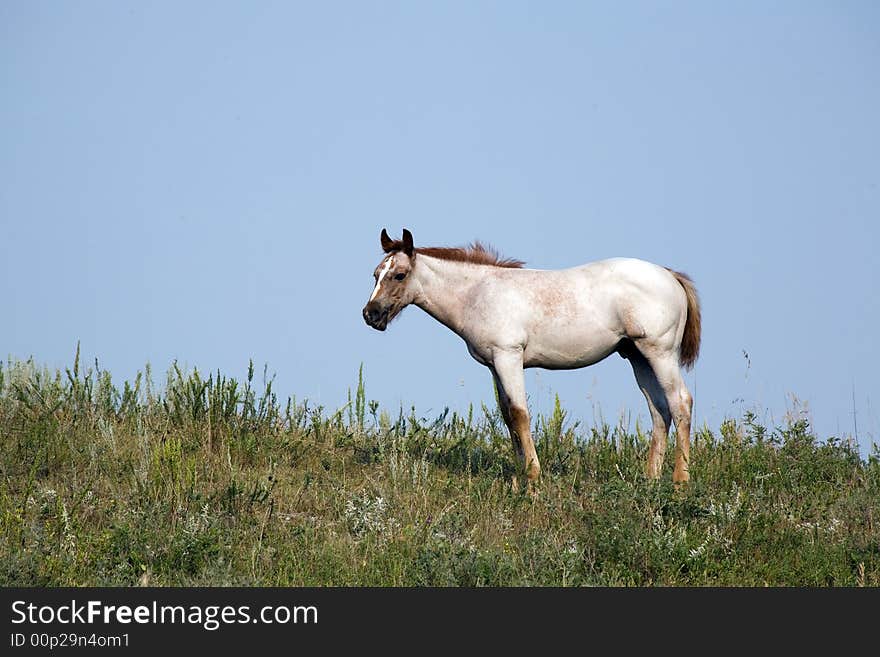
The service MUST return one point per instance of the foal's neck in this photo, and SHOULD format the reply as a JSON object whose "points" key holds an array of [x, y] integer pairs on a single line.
{"points": [[445, 286]]}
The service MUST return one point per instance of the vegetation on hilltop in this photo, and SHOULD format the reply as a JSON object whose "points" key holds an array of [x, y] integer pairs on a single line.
{"points": [[210, 481]]}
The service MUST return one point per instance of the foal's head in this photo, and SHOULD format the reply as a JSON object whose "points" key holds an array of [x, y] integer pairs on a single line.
{"points": [[392, 292]]}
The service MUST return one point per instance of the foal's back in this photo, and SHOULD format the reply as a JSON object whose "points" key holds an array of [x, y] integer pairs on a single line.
{"points": [[574, 317]]}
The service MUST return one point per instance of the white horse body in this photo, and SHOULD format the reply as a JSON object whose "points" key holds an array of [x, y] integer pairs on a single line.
{"points": [[513, 318], [560, 319]]}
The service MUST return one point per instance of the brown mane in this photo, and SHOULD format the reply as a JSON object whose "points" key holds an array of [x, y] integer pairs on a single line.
{"points": [[476, 253]]}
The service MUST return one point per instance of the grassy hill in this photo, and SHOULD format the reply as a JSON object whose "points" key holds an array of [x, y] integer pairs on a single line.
{"points": [[210, 481]]}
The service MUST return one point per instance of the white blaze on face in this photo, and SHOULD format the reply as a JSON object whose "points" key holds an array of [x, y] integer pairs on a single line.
{"points": [[382, 273]]}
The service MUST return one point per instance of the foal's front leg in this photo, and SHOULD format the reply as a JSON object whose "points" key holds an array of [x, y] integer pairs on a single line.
{"points": [[507, 368]]}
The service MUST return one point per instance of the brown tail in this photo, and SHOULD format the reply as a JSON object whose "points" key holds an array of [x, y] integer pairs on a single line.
{"points": [[690, 341]]}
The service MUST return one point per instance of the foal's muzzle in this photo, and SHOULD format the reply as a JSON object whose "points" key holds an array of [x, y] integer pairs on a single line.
{"points": [[375, 316]]}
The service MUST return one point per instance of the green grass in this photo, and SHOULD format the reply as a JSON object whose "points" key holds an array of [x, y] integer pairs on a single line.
{"points": [[208, 481]]}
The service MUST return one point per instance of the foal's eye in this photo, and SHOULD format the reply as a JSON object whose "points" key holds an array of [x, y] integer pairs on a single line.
{"points": [[399, 277]]}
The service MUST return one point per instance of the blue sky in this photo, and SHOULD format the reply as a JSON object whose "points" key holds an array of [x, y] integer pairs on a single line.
{"points": [[206, 182]]}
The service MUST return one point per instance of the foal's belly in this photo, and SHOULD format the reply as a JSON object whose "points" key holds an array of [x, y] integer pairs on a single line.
{"points": [[560, 355]]}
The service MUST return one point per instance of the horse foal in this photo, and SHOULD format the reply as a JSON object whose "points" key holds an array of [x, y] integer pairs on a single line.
{"points": [[513, 318]]}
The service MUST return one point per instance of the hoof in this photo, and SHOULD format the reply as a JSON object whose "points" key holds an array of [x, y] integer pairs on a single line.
{"points": [[532, 489], [531, 486]]}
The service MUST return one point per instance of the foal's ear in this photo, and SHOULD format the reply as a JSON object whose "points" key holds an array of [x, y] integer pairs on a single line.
{"points": [[407, 243], [387, 242]]}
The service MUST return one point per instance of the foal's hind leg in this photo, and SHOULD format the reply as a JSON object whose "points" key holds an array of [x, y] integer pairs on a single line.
{"points": [[667, 371], [661, 418]]}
